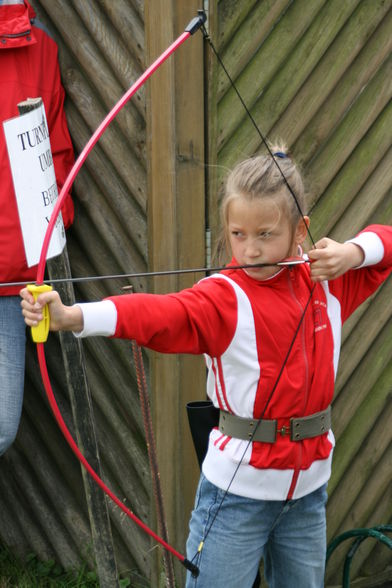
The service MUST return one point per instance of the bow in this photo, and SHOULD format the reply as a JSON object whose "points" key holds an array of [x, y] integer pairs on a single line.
{"points": [[192, 27]]}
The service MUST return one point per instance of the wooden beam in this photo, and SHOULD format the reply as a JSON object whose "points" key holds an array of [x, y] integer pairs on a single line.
{"points": [[176, 204]]}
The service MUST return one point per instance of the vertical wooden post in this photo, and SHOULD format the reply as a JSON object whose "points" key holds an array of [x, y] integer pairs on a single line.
{"points": [[82, 410], [176, 225], [211, 114], [191, 237]]}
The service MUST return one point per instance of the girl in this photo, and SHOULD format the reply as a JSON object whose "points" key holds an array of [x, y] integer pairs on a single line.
{"points": [[271, 338]]}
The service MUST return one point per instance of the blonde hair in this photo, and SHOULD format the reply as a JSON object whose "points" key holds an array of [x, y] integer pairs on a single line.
{"points": [[259, 177]]}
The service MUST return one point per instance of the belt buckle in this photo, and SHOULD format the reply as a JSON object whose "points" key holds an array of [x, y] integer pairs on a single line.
{"points": [[283, 430]]}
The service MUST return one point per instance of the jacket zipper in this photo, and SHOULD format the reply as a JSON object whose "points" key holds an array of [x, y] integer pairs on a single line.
{"points": [[17, 35], [306, 363]]}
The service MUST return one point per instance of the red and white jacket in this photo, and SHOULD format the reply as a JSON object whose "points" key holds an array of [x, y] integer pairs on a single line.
{"points": [[244, 327], [28, 69]]}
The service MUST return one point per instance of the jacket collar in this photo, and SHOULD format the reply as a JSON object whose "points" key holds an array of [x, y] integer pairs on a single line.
{"points": [[16, 24]]}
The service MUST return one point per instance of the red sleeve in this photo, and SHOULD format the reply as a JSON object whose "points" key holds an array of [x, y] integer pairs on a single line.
{"points": [[198, 320], [357, 285]]}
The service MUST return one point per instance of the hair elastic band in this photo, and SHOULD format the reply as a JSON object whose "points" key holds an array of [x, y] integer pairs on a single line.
{"points": [[280, 154]]}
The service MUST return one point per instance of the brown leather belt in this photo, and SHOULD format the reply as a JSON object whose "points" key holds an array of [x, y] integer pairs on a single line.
{"points": [[267, 430]]}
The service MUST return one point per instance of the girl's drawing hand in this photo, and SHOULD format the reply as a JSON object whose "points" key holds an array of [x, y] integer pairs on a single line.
{"points": [[66, 318], [331, 259]]}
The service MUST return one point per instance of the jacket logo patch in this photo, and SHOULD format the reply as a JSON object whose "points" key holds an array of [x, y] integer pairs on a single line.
{"points": [[319, 316]]}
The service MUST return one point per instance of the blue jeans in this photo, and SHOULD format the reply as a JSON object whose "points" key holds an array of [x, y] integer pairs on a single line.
{"points": [[12, 366], [289, 535]]}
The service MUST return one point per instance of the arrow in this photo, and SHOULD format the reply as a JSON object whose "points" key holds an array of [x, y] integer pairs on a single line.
{"points": [[289, 262]]}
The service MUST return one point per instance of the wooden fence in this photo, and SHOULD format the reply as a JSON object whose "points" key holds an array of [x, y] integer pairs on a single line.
{"points": [[318, 76], [103, 48]]}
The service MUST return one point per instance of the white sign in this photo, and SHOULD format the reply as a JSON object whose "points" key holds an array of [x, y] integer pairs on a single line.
{"points": [[32, 168]]}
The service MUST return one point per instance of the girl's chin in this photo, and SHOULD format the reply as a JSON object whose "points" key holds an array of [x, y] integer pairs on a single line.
{"points": [[262, 273]]}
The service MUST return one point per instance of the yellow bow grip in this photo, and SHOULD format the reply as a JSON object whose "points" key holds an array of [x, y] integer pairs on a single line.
{"points": [[40, 332]]}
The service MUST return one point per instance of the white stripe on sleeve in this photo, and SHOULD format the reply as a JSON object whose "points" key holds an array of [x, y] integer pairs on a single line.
{"points": [[372, 247], [99, 318]]}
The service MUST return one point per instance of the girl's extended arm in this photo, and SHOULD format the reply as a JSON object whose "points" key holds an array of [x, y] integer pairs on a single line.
{"points": [[62, 318]]}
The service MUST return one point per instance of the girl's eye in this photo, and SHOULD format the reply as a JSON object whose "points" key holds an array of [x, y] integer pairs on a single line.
{"points": [[265, 234]]}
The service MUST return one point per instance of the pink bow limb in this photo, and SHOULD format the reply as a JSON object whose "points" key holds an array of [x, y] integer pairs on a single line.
{"points": [[91, 143], [192, 27]]}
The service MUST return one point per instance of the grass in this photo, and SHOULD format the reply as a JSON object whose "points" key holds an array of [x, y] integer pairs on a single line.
{"points": [[32, 573]]}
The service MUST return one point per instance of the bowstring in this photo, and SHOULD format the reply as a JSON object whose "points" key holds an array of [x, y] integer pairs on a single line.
{"points": [[258, 422], [256, 127], [287, 184]]}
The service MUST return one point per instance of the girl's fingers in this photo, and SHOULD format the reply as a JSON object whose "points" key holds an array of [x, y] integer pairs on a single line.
{"points": [[26, 295], [32, 310], [32, 319]]}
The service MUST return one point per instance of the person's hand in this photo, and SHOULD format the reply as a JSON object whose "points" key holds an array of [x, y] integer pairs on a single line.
{"points": [[65, 318], [331, 259]]}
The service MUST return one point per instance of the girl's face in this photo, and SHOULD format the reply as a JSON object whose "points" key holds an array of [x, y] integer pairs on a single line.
{"points": [[260, 231]]}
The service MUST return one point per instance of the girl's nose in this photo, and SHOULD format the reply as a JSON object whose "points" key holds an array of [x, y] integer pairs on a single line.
{"points": [[252, 248]]}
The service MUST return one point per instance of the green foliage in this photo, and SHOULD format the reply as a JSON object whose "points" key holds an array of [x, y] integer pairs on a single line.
{"points": [[33, 573]]}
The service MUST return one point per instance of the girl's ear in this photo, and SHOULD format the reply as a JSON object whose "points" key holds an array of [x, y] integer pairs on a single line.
{"points": [[302, 230]]}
